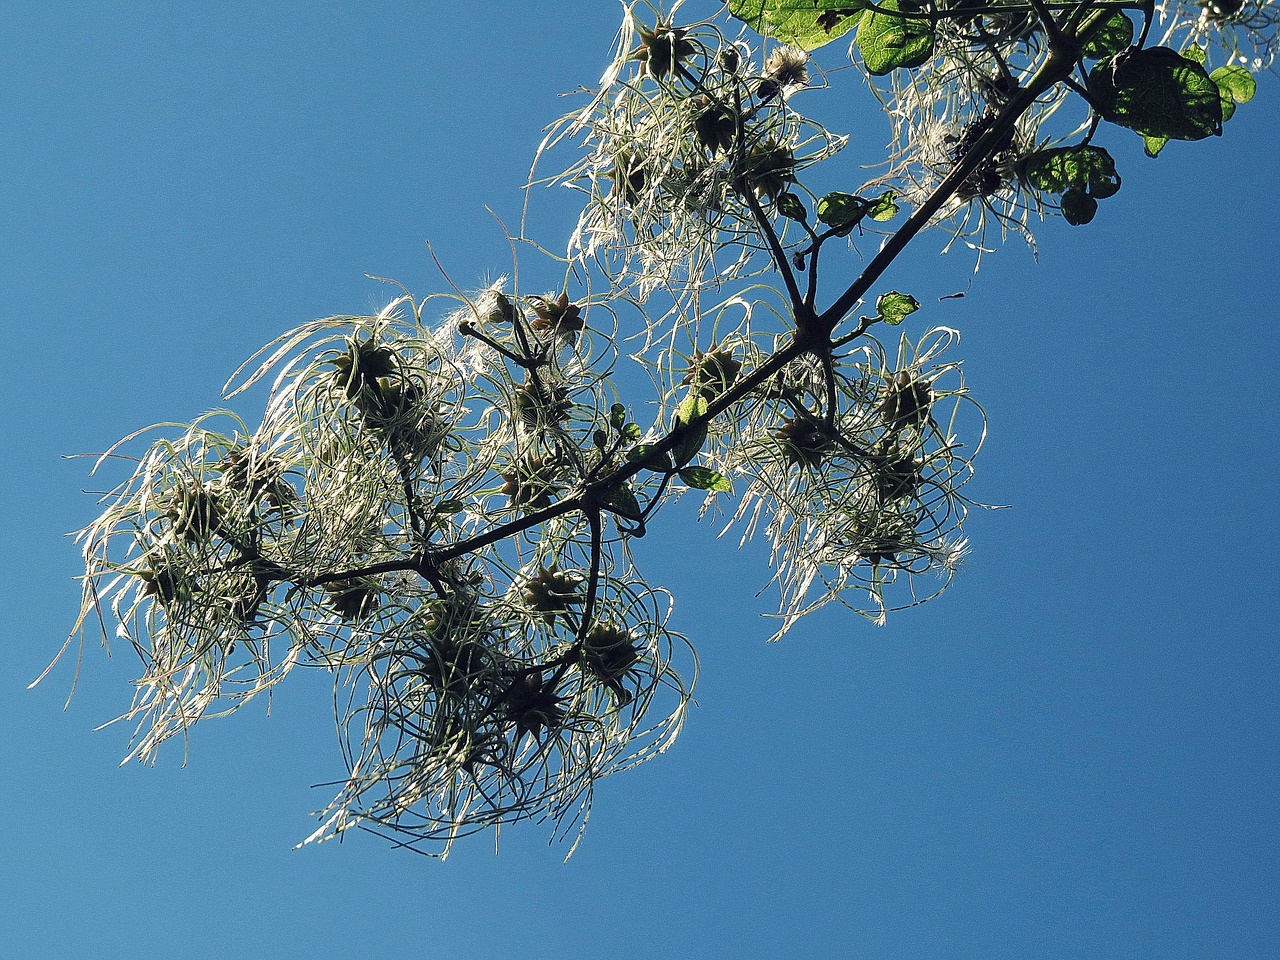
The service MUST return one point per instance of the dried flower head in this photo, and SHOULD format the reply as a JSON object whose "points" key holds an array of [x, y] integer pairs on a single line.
{"points": [[787, 68]]}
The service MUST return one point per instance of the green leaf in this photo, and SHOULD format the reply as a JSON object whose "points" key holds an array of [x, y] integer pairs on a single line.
{"points": [[1235, 85], [623, 502], [617, 416], [644, 455], [789, 206], [1228, 105], [599, 438], [888, 42], [806, 23], [704, 478], [841, 211], [1111, 38], [1061, 169], [1078, 207], [1195, 53], [883, 207], [1157, 93], [631, 431], [694, 405], [894, 307], [1152, 146], [691, 442]]}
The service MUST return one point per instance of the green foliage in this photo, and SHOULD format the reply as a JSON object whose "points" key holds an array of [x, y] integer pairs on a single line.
{"points": [[1110, 39], [622, 501], [806, 23], [791, 207], [439, 509], [1078, 207], [704, 478], [883, 207], [1060, 169], [649, 458], [1235, 85], [841, 211], [692, 436], [1157, 93], [889, 42], [844, 211], [894, 307], [1083, 175]]}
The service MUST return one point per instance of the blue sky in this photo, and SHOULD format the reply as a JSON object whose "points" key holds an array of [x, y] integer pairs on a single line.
{"points": [[1071, 754]]}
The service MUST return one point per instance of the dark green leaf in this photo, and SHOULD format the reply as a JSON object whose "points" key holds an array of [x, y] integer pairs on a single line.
{"points": [[689, 445], [631, 431], [789, 206], [1111, 38], [447, 507], [599, 438], [841, 211], [1063, 168], [644, 455], [1078, 207], [1157, 93], [894, 307], [805, 23], [888, 42], [623, 502], [703, 478], [617, 416], [691, 442], [1195, 53]]}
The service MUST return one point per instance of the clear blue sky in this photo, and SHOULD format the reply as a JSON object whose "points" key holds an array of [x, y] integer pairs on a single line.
{"points": [[1072, 754]]}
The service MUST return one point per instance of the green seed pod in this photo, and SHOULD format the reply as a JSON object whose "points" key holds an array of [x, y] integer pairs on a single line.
{"points": [[455, 666], [713, 372], [881, 550], [1222, 10], [195, 513], [556, 319], [502, 311], [767, 89], [166, 584], [351, 600], [360, 367], [662, 49], [552, 593], [540, 406], [608, 656], [803, 443], [533, 705], [897, 476], [768, 167], [905, 402], [714, 125], [256, 477], [529, 485], [629, 178]]}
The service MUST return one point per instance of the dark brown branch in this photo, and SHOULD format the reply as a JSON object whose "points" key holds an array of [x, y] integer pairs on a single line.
{"points": [[1056, 68]]}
